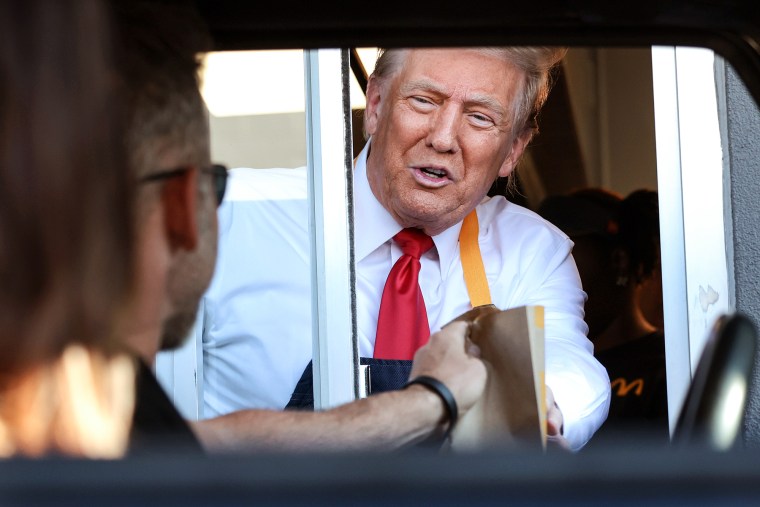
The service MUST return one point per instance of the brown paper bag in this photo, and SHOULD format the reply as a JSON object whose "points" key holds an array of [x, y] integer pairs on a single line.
{"points": [[512, 409]]}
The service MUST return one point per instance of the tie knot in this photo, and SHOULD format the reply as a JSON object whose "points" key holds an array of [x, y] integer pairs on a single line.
{"points": [[413, 242]]}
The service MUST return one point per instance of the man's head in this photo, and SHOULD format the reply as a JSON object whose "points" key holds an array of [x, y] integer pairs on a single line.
{"points": [[168, 143], [445, 123]]}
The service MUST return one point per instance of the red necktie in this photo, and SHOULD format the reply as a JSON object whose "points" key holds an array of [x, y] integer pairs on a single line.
{"points": [[402, 324]]}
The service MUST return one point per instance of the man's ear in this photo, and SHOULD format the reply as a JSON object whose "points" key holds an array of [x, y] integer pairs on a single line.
{"points": [[519, 144], [374, 98], [180, 199]]}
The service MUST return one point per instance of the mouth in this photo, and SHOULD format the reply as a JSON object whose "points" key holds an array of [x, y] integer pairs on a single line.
{"points": [[431, 175], [433, 172]]}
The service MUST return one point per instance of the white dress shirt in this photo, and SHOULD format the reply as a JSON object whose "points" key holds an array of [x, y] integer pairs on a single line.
{"points": [[257, 311]]}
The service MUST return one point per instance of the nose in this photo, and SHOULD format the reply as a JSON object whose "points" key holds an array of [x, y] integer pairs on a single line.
{"points": [[443, 133]]}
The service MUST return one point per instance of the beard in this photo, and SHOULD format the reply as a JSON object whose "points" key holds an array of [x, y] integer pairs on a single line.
{"points": [[177, 329], [187, 283], [189, 278]]}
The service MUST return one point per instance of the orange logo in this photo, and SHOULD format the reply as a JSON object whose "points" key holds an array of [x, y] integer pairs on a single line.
{"points": [[623, 387]]}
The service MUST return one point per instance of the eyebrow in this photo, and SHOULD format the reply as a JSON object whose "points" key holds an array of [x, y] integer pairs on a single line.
{"points": [[479, 99], [423, 84]]}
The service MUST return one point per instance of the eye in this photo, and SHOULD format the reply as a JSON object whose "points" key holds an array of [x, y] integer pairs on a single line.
{"points": [[481, 120], [421, 103]]}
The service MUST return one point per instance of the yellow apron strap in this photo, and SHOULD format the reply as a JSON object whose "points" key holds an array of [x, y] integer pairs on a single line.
{"points": [[472, 262]]}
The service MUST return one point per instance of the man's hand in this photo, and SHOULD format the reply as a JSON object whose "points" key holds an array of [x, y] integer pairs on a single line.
{"points": [[453, 359], [554, 421]]}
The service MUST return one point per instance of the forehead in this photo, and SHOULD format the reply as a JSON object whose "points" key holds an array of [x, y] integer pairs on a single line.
{"points": [[461, 71]]}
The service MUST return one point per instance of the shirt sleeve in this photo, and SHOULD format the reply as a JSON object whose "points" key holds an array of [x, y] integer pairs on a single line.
{"points": [[580, 384], [256, 338]]}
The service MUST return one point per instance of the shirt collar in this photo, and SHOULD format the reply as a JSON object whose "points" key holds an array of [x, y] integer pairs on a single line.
{"points": [[368, 210]]}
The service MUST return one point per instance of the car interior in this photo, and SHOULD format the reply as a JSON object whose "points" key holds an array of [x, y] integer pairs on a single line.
{"points": [[620, 101]]}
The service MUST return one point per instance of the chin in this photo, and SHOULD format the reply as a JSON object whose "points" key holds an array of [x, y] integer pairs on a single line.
{"points": [[420, 213], [176, 330]]}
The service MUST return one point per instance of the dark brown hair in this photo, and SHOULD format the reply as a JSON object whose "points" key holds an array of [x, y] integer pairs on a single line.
{"points": [[159, 65], [640, 231], [65, 194]]}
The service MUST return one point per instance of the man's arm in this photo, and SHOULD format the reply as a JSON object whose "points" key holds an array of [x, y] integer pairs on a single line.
{"points": [[579, 383], [384, 421]]}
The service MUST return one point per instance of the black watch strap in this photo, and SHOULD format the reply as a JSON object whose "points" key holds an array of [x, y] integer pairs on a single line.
{"points": [[444, 393]]}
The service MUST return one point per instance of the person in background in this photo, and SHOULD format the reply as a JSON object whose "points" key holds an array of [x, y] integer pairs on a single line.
{"points": [[632, 348], [617, 248], [65, 234]]}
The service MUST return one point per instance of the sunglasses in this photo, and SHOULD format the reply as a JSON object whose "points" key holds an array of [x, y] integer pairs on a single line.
{"points": [[218, 171]]}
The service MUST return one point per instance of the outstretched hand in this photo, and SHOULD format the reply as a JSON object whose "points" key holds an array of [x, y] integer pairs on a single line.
{"points": [[452, 358]]}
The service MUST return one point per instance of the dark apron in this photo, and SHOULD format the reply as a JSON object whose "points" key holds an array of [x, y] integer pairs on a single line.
{"points": [[384, 375]]}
